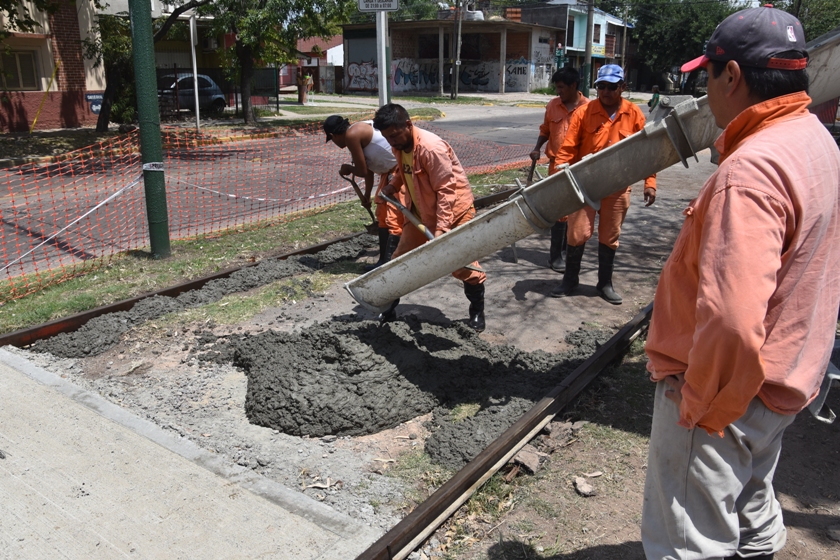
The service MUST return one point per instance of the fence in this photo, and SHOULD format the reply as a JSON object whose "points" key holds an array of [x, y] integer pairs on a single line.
{"points": [[214, 83], [68, 217]]}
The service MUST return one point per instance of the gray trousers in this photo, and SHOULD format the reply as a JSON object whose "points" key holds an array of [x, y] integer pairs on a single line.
{"points": [[708, 497]]}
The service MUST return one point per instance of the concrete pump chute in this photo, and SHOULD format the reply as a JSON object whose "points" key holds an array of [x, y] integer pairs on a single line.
{"points": [[675, 134]]}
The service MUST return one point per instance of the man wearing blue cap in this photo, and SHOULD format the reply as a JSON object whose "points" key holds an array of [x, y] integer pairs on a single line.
{"points": [[744, 317], [598, 125]]}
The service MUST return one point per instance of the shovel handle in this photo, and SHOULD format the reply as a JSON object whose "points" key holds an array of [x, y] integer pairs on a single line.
{"points": [[531, 173], [359, 193], [409, 215]]}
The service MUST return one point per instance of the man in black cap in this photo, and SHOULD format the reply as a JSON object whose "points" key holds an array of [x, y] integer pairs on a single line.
{"points": [[371, 154], [743, 320]]}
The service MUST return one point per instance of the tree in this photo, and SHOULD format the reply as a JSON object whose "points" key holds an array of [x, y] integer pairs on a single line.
{"points": [[671, 32], [17, 17], [267, 29], [817, 16], [109, 45]]}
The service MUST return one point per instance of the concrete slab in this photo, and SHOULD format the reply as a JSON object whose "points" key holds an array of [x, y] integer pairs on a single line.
{"points": [[82, 478]]}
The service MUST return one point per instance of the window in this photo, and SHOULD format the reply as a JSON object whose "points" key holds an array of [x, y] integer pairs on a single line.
{"points": [[18, 71], [596, 33]]}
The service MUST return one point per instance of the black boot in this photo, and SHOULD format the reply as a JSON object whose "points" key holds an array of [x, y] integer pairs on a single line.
{"points": [[606, 261], [393, 241], [557, 252], [475, 293], [571, 277], [383, 250], [390, 314]]}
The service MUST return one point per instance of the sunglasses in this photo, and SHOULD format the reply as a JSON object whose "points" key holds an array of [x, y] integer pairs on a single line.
{"points": [[611, 87]]}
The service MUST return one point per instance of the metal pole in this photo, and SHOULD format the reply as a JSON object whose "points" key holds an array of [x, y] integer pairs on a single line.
{"points": [[193, 42], [381, 58], [586, 75], [624, 42], [440, 60], [151, 147], [385, 39], [458, 19]]}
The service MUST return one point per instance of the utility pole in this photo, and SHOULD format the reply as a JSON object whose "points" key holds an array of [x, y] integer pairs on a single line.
{"points": [[148, 112], [381, 55], [586, 75], [624, 41], [456, 66]]}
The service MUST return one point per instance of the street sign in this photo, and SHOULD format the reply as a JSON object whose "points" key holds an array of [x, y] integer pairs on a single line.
{"points": [[379, 5], [95, 101]]}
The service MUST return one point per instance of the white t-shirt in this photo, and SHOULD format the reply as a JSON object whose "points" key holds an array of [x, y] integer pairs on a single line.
{"points": [[378, 155]]}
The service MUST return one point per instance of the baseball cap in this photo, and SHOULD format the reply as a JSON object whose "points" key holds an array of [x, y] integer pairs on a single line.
{"points": [[611, 73], [753, 37], [335, 124]]}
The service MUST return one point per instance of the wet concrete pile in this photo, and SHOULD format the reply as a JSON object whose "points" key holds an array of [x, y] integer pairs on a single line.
{"points": [[102, 333], [355, 378]]}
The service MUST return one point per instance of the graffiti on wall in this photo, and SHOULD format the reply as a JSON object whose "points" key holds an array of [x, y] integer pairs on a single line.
{"points": [[516, 74], [362, 76], [411, 75]]}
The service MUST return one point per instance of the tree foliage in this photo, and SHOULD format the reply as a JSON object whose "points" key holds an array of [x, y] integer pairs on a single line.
{"points": [[270, 29], [817, 16], [671, 32], [17, 17]]}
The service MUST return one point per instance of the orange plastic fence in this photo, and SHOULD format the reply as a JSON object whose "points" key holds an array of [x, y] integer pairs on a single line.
{"points": [[67, 217]]}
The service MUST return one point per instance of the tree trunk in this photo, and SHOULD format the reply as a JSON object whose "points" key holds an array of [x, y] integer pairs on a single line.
{"points": [[246, 74], [112, 84]]}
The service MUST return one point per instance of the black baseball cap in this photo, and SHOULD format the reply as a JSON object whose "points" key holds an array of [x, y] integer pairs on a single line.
{"points": [[335, 124], [753, 37]]}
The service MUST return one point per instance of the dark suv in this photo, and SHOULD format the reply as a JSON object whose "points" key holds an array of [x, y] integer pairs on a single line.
{"points": [[210, 95]]}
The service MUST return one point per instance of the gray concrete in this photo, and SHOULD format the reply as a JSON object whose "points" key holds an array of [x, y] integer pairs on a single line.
{"points": [[83, 478]]}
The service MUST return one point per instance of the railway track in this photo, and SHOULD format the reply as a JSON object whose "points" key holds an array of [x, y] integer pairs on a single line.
{"points": [[417, 526]]}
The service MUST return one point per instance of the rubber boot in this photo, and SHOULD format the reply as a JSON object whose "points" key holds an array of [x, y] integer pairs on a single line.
{"points": [[383, 250], [557, 252], [606, 260], [390, 314], [571, 277], [475, 293], [393, 241]]}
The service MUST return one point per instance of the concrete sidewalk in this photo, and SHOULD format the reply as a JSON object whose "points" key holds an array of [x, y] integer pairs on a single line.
{"points": [[82, 478]]}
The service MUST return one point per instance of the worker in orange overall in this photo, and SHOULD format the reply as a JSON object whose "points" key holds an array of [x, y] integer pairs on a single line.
{"points": [[371, 154], [745, 311], [553, 130], [598, 125], [435, 184]]}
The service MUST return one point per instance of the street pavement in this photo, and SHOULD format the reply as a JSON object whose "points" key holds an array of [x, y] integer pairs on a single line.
{"points": [[82, 478]]}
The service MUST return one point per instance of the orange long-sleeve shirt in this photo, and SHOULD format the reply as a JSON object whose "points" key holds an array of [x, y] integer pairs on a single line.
{"points": [[591, 130], [747, 302], [556, 123], [442, 192]]}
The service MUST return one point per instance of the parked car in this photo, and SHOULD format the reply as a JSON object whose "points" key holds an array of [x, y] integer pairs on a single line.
{"points": [[210, 95]]}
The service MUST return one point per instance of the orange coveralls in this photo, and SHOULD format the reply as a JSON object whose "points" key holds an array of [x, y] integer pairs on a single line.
{"points": [[442, 198], [555, 125], [747, 302], [590, 131]]}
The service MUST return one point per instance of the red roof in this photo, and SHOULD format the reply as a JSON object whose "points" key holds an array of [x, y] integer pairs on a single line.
{"points": [[306, 45]]}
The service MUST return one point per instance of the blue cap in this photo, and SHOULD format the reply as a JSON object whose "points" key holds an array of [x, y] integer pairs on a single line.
{"points": [[611, 73]]}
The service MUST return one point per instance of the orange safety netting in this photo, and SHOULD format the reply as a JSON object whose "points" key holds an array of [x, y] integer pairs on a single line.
{"points": [[67, 217]]}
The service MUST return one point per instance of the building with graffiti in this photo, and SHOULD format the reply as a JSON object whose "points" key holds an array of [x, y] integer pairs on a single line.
{"points": [[497, 56], [517, 51]]}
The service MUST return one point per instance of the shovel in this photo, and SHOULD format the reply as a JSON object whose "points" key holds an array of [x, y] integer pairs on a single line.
{"points": [[416, 221], [373, 227], [409, 215]]}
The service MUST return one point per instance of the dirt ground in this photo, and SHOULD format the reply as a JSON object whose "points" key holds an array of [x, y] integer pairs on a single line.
{"points": [[154, 368]]}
